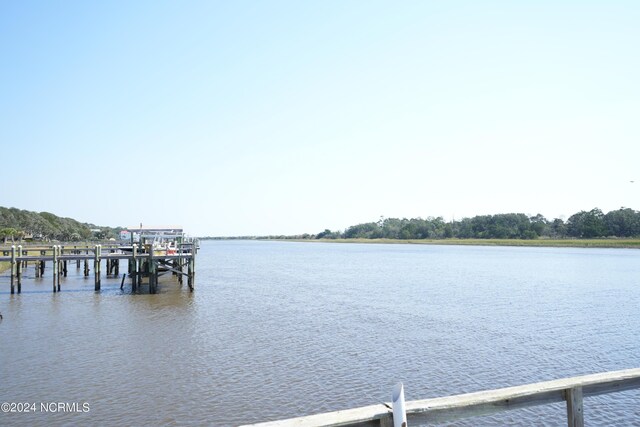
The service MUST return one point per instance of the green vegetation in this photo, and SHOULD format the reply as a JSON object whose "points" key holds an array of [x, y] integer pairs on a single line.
{"points": [[593, 224], [592, 228], [17, 225], [574, 243]]}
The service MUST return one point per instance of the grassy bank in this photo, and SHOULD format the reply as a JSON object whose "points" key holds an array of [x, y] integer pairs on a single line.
{"points": [[565, 243], [4, 266]]}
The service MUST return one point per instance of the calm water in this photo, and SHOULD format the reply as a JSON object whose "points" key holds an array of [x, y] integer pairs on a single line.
{"points": [[276, 330]]}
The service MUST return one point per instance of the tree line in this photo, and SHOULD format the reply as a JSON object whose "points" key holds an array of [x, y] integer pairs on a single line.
{"points": [[17, 224], [623, 222]]}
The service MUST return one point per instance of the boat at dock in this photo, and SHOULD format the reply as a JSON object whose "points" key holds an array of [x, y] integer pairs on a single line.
{"points": [[161, 241]]}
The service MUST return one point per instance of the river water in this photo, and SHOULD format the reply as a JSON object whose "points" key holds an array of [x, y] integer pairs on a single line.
{"points": [[282, 329]]}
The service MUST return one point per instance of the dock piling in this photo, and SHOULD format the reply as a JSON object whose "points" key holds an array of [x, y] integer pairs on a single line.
{"points": [[56, 277], [13, 269], [153, 272], [96, 267], [190, 273], [134, 267], [19, 270]]}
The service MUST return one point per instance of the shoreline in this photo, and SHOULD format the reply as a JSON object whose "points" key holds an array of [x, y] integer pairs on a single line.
{"points": [[551, 243]]}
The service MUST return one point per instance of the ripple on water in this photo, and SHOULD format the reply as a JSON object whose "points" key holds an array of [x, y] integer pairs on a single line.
{"points": [[298, 329]]}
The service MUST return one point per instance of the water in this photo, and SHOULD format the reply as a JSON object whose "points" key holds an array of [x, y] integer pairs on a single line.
{"points": [[276, 330]]}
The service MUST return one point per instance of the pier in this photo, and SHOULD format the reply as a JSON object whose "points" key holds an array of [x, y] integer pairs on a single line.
{"points": [[450, 408], [157, 251]]}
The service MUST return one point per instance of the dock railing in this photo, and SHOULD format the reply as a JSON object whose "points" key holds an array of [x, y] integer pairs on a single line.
{"points": [[444, 409]]}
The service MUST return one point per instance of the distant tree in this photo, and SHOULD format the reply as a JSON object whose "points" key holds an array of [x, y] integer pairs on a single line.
{"points": [[464, 229], [328, 234], [438, 228], [46, 225], [8, 233], [369, 230], [100, 235], [584, 224], [448, 231], [539, 225], [391, 228], [587, 224], [558, 228], [624, 222]]}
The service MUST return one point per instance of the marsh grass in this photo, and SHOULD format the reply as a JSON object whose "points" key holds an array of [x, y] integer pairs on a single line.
{"points": [[568, 243]]}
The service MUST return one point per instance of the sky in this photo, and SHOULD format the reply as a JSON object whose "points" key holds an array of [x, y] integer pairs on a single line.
{"points": [[285, 117]]}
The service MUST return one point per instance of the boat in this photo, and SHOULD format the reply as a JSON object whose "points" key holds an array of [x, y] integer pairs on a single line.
{"points": [[163, 241]]}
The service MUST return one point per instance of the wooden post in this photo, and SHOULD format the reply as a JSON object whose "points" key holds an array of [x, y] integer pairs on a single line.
{"points": [[56, 278], [18, 267], [155, 277], [25, 262], [96, 267], [141, 266], [60, 253], [43, 265], [86, 268], [13, 269], [191, 270], [386, 421], [64, 268], [152, 272], [575, 415], [180, 262], [134, 268], [19, 276]]}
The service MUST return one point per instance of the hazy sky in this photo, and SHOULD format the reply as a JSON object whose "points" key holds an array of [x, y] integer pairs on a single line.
{"points": [[285, 117]]}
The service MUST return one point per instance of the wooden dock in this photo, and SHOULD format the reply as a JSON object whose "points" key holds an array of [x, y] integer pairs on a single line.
{"points": [[143, 262], [446, 409]]}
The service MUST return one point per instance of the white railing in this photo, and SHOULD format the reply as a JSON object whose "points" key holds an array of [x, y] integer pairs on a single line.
{"points": [[443, 409]]}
